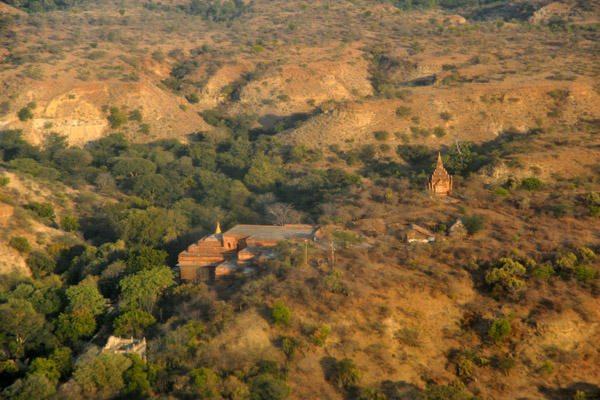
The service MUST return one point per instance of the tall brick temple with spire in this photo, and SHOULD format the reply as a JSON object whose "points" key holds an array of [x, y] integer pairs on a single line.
{"points": [[441, 181]]}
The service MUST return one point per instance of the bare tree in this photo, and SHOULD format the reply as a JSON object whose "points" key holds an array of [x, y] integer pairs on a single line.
{"points": [[282, 213]]}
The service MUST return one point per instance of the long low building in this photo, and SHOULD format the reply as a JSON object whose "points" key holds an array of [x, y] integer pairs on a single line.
{"points": [[225, 254]]}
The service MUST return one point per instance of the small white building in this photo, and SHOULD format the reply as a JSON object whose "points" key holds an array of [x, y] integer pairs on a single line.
{"points": [[417, 234]]}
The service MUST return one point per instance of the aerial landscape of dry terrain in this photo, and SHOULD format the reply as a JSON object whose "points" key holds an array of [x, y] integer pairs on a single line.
{"points": [[281, 199]]}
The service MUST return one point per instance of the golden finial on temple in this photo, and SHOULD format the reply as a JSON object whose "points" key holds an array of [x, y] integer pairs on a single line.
{"points": [[218, 230]]}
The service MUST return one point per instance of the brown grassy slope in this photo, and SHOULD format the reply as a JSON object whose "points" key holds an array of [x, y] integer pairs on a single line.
{"points": [[323, 57]]}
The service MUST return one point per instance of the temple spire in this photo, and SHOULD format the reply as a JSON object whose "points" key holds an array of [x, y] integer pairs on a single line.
{"points": [[439, 161], [218, 230]]}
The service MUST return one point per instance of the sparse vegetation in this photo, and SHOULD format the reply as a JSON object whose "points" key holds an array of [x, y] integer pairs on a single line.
{"points": [[282, 113]]}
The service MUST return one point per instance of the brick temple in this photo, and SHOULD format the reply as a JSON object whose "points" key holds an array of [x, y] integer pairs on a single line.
{"points": [[441, 181], [237, 250]]}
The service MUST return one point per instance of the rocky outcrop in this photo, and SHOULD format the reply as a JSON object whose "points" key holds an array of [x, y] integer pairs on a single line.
{"points": [[545, 14]]}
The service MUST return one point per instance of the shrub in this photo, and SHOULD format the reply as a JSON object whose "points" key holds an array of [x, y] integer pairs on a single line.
{"points": [[453, 391], [559, 210], [347, 373], [544, 272], [584, 273], [504, 276], [20, 243], [381, 135], [4, 180], [193, 98], [280, 314], [465, 368], [548, 367], [205, 382], [69, 223], [446, 116], [500, 191], [39, 263], [367, 153], [473, 223], [268, 367], [117, 117], [145, 129], [567, 261], [265, 387], [25, 114], [158, 55], [372, 394], [585, 253], [532, 184], [438, 131], [408, 336], [42, 210], [403, 112], [320, 335], [500, 329], [506, 364], [135, 115], [346, 238], [288, 345], [591, 199]]}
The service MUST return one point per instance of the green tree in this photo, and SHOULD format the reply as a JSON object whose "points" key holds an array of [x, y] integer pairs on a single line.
{"points": [[85, 296], [13, 145], [25, 113], [102, 376], [34, 386], [117, 117], [372, 394], [132, 323], [532, 184], [141, 290], [136, 377], [45, 367], [205, 382], [20, 324], [264, 174], [347, 373], [20, 243], [42, 210], [40, 263], [133, 167], [144, 258], [500, 329], [72, 160], [453, 391], [265, 387], [462, 159], [78, 325], [147, 227], [505, 276], [280, 314], [152, 187], [473, 223], [54, 142], [64, 360], [69, 223]]}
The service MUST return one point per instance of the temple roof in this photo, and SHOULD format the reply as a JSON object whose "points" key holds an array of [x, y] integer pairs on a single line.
{"points": [[271, 232]]}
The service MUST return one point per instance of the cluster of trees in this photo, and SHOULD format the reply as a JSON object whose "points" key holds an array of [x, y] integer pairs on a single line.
{"points": [[166, 190], [447, 4], [33, 6], [215, 10]]}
